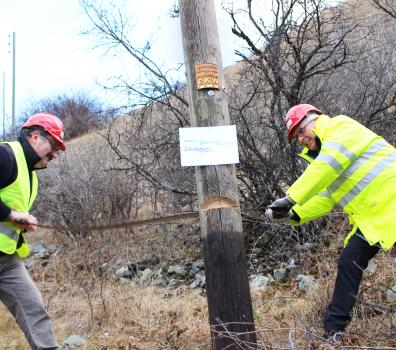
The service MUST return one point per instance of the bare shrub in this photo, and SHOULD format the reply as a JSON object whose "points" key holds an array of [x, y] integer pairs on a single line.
{"points": [[80, 112], [79, 189]]}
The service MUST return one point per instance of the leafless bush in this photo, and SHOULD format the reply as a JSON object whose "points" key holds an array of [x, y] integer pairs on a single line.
{"points": [[388, 6], [147, 145], [79, 189], [80, 112]]}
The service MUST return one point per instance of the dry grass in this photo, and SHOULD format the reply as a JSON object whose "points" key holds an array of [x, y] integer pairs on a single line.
{"points": [[287, 319], [120, 314]]}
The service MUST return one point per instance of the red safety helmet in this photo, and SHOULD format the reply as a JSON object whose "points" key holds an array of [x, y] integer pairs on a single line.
{"points": [[51, 124], [295, 115]]}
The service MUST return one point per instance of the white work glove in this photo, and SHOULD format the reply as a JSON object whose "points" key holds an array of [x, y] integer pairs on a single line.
{"points": [[274, 216], [280, 209], [24, 221]]}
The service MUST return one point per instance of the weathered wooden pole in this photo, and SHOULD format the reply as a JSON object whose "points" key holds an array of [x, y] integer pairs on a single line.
{"points": [[13, 125], [227, 284]]}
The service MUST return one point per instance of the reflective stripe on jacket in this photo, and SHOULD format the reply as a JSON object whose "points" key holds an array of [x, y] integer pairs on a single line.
{"points": [[19, 196], [355, 169]]}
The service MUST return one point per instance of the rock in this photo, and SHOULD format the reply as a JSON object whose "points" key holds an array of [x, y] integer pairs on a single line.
{"points": [[259, 269], [32, 261], [305, 283], [164, 267], [258, 281], [173, 282], [124, 272], [40, 250], [197, 265], [145, 276], [36, 248], [391, 294], [270, 278], [199, 281], [291, 262], [291, 267], [73, 342], [28, 262], [372, 267], [177, 270], [157, 273], [279, 274], [53, 248]]}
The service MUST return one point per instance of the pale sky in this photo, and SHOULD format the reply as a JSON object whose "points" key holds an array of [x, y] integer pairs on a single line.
{"points": [[52, 57]]}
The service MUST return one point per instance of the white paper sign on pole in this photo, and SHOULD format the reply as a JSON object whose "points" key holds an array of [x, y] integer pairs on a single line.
{"points": [[213, 145]]}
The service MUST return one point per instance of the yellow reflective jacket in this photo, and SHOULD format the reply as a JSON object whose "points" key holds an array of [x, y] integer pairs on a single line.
{"points": [[19, 196], [355, 169]]}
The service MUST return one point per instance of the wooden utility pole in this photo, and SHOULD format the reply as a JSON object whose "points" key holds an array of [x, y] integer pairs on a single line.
{"points": [[13, 125], [3, 110], [227, 284]]}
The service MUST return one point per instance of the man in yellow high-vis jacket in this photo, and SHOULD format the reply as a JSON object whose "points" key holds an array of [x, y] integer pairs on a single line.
{"points": [[354, 168], [40, 140]]}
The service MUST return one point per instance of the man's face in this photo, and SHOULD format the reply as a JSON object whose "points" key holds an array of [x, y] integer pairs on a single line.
{"points": [[46, 147], [305, 136]]}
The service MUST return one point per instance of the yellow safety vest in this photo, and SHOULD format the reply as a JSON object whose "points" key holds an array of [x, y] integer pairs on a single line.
{"points": [[19, 196], [355, 169]]}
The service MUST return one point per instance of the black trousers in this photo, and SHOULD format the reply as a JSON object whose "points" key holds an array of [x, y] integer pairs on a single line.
{"points": [[353, 260]]}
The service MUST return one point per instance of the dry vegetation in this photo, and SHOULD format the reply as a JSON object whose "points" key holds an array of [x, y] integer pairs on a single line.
{"points": [[122, 314]]}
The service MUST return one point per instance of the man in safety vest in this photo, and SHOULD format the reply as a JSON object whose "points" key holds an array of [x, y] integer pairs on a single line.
{"points": [[40, 140], [354, 168]]}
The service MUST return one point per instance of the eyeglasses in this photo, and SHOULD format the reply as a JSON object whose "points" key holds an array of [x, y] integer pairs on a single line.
{"points": [[299, 132], [55, 147]]}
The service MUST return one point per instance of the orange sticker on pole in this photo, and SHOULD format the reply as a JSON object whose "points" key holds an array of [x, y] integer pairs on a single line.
{"points": [[207, 76]]}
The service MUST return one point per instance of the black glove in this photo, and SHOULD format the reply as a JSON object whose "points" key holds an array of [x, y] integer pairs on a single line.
{"points": [[282, 206]]}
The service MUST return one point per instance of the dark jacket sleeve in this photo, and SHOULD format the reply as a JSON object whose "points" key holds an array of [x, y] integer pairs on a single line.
{"points": [[7, 175]]}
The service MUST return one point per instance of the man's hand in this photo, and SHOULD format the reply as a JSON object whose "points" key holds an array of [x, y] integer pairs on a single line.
{"points": [[282, 206], [280, 209], [24, 221], [274, 216]]}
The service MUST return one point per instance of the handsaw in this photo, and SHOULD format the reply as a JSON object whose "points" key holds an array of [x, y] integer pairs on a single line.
{"points": [[135, 223]]}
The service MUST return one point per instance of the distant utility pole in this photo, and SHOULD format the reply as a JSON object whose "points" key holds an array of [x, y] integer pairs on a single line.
{"points": [[13, 128], [227, 284], [4, 106]]}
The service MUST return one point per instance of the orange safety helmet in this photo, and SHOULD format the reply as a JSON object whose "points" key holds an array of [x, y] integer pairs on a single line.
{"points": [[51, 124], [295, 115]]}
